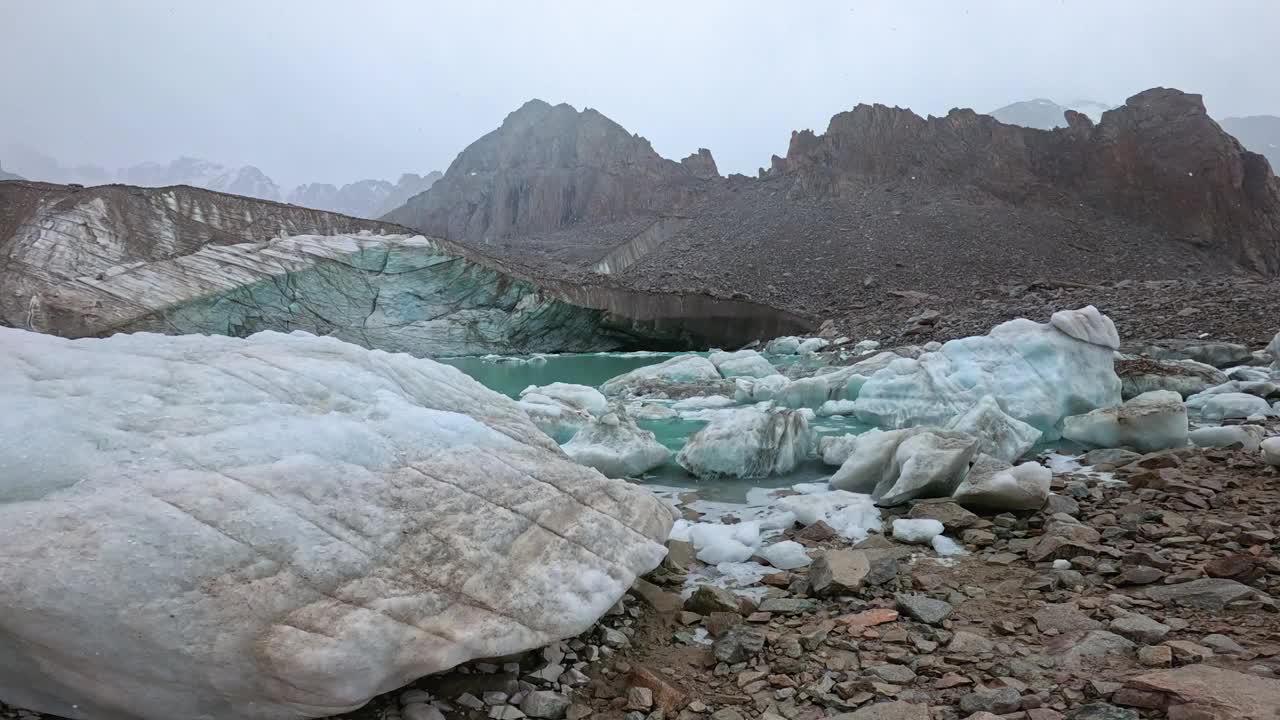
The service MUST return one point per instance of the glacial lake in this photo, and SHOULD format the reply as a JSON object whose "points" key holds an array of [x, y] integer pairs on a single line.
{"points": [[511, 374]]}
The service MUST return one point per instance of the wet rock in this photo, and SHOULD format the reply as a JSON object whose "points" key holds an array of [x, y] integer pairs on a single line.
{"points": [[839, 572], [923, 608]]}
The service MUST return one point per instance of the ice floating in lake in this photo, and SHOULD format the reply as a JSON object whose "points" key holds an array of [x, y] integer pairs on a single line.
{"points": [[834, 450], [787, 345], [683, 369], [999, 434], [812, 345], [1039, 373], [615, 446], [703, 403], [580, 397], [1152, 421], [743, 363], [749, 443], [1214, 407], [900, 465], [752, 390], [835, 407]]}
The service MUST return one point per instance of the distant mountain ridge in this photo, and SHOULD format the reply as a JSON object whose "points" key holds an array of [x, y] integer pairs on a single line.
{"points": [[366, 198], [1259, 133], [8, 175], [1044, 114]]}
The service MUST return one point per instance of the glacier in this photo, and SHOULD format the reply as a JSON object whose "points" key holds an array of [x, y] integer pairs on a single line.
{"points": [[282, 526]]}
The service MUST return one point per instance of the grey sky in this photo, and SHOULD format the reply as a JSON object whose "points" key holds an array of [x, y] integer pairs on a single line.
{"points": [[330, 91]]}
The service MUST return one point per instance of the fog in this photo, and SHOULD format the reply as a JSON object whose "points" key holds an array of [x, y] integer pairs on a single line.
{"points": [[333, 91]]}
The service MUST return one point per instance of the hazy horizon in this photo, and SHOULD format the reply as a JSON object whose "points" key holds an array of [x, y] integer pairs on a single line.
{"points": [[333, 92]]}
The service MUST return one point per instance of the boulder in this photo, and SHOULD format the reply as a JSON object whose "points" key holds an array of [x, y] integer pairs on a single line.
{"points": [[1215, 354], [838, 572], [679, 370], [994, 485], [749, 443], [900, 465], [1213, 594], [1215, 693], [617, 447], [1038, 373], [281, 526], [1155, 420]]}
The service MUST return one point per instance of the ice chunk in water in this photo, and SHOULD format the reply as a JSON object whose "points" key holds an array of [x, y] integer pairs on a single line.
{"points": [[900, 465], [617, 447], [1152, 421], [743, 363], [999, 434], [749, 443]]}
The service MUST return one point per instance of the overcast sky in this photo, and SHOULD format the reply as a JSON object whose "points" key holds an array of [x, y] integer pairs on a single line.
{"points": [[334, 91]]}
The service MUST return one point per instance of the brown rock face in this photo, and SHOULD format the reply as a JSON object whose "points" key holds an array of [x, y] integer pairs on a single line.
{"points": [[550, 167], [1158, 159]]}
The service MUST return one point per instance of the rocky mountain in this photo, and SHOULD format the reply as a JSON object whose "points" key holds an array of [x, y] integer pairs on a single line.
{"points": [[550, 167], [8, 175], [883, 201], [1259, 133], [33, 164], [366, 198], [248, 180], [1045, 114]]}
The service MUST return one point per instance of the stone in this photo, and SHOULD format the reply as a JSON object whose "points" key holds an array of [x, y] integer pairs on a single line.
{"points": [[1212, 594], [838, 572], [1222, 644], [1063, 618], [953, 517], [1095, 646], [1140, 628], [896, 674], [655, 597], [1186, 652], [665, 695], [1139, 575], [544, 704], [420, 711], [639, 698], [967, 643], [1155, 656], [1226, 694], [1103, 711], [708, 599], [267, 492], [868, 618], [787, 606], [998, 701], [1233, 567], [739, 644], [923, 608], [897, 710]]}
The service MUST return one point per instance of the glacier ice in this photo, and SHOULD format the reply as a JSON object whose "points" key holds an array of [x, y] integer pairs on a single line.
{"points": [[834, 450], [1271, 451], [946, 547], [1249, 437], [617, 447], [811, 345], [187, 511], [753, 390], [580, 397], [1211, 406], [562, 409], [749, 443], [1039, 373], [998, 434], [1155, 420], [835, 407], [703, 402], [716, 543], [899, 465], [992, 484], [743, 363], [787, 345], [682, 369], [851, 515], [916, 532], [785, 555]]}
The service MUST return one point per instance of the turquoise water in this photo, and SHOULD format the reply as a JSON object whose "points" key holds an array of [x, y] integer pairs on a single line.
{"points": [[509, 375]]}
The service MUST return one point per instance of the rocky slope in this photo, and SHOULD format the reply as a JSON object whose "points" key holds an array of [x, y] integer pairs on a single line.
{"points": [[1259, 133], [884, 201], [1044, 114]]}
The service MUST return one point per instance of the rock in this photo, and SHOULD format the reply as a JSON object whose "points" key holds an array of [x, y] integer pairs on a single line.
{"points": [[900, 465], [998, 701], [420, 711], [544, 704], [1095, 646], [868, 618], [1109, 456], [1235, 567], [1222, 644], [923, 608], [660, 600], [639, 698], [679, 370], [1061, 504], [1185, 651], [1140, 628], [1063, 618], [1103, 711], [967, 643], [916, 532], [1037, 373], [617, 447], [749, 443], [308, 480], [787, 606], [1215, 354], [992, 485], [838, 572], [898, 710], [999, 435], [739, 644], [1185, 377], [950, 514], [1152, 421], [666, 696], [1155, 656], [1212, 594], [709, 599], [1139, 575], [1222, 694], [897, 674]]}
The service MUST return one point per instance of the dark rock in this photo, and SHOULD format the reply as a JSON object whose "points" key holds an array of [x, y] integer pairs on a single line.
{"points": [[1212, 594], [998, 701], [707, 599], [739, 644], [1103, 711], [923, 608]]}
